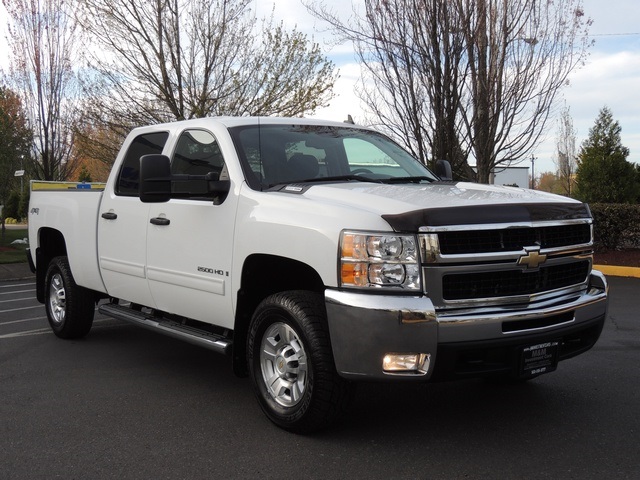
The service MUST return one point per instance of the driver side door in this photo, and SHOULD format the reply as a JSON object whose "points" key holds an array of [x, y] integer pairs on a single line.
{"points": [[189, 245]]}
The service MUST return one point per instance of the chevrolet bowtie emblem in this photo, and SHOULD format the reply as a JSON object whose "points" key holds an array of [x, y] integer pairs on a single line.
{"points": [[532, 259]]}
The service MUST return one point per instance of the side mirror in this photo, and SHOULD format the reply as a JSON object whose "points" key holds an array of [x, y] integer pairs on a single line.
{"points": [[155, 178], [443, 170], [158, 184]]}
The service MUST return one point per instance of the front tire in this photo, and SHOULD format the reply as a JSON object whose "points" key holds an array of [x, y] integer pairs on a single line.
{"points": [[291, 363], [70, 308]]}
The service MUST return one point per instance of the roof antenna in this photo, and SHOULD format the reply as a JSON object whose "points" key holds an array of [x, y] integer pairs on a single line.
{"points": [[260, 153], [349, 120]]}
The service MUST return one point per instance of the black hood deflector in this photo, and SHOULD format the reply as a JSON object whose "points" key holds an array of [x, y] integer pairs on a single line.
{"points": [[487, 214]]}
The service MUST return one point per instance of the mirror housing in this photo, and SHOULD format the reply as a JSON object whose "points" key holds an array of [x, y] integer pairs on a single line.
{"points": [[157, 182], [155, 178], [443, 170]]}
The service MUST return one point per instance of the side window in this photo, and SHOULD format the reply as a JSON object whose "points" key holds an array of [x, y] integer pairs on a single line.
{"points": [[129, 176], [197, 153]]}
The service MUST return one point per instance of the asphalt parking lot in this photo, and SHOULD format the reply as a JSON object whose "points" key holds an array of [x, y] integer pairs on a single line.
{"points": [[128, 403]]}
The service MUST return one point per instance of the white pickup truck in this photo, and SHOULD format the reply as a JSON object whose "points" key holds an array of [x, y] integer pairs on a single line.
{"points": [[317, 254]]}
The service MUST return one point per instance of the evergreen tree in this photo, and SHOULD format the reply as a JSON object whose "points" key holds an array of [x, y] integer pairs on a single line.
{"points": [[15, 139], [604, 175], [84, 175], [12, 206]]}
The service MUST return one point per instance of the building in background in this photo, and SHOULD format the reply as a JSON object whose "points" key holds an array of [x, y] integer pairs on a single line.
{"points": [[511, 177]]}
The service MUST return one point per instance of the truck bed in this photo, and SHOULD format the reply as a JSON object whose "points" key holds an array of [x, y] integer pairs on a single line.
{"points": [[73, 208]]}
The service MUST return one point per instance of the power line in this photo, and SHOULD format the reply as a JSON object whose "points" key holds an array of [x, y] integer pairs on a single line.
{"points": [[613, 34]]}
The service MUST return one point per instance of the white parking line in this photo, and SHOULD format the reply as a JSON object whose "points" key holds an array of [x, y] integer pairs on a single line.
{"points": [[42, 331], [18, 299], [19, 309], [33, 319], [17, 291], [23, 320], [18, 285]]}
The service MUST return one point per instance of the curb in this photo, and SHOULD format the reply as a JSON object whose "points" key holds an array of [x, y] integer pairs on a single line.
{"points": [[11, 272], [616, 271]]}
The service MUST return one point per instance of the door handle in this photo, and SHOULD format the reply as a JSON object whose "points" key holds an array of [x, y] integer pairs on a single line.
{"points": [[160, 221], [109, 215]]}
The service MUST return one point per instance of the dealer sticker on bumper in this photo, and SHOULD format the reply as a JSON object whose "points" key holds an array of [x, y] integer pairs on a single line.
{"points": [[539, 359]]}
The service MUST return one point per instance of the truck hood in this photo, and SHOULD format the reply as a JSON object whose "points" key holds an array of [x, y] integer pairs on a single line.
{"points": [[409, 206]]}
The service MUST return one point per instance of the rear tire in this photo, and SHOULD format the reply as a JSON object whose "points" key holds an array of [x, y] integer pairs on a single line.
{"points": [[291, 363], [70, 308]]}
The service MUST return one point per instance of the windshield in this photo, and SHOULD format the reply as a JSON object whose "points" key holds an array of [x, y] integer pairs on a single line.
{"points": [[282, 154]]}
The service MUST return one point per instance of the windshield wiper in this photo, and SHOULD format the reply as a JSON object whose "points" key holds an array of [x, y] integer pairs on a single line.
{"points": [[337, 178], [408, 180]]}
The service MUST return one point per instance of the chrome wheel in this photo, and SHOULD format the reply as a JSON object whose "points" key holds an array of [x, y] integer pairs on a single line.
{"points": [[70, 308], [283, 362], [57, 299], [291, 363]]}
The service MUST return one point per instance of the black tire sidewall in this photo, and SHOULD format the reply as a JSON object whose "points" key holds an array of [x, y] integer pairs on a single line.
{"points": [[54, 268], [79, 302], [268, 313]]}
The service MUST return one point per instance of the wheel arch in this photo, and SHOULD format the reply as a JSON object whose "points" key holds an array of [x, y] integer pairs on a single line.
{"points": [[51, 243], [264, 275]]}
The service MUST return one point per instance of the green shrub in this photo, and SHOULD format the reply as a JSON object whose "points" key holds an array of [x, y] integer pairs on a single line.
{"points": [[12, 207], [616, 225]]}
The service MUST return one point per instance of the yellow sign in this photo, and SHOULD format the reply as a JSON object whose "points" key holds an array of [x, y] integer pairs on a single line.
{"points": [[43, 185]]}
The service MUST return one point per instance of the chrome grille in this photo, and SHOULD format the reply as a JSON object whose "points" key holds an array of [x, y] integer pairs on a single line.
{"points": [[510, 239], [513, 282], [468, 266]]}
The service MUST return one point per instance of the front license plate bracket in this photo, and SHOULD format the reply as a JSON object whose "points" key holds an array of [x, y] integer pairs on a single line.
{"points": [[539, 358]]}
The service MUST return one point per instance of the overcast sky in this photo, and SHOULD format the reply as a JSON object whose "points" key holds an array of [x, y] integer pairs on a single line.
{"points": [[611, 76]]}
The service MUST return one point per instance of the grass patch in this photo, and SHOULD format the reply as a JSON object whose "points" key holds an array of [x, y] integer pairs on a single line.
{"points": [[13, 253]]}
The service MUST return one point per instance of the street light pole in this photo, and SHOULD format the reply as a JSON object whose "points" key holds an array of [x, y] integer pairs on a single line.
{"points": [[533, 172], [20, 173]]}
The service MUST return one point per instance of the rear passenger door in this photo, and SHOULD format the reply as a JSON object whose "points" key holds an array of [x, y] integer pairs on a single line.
{"points": [[122, 226], [190, 240]]}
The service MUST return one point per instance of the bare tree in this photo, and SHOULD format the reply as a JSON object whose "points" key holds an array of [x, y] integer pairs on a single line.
{"points": [[413, 68], [486, 72], [42, 38], [165, 60], [566, 156]]}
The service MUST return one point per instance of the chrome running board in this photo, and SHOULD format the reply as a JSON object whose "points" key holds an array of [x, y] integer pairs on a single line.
{"points": [[196, 336]]}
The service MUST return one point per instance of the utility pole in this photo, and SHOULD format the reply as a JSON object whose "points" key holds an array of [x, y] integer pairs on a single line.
{"points": [[533, 172]]}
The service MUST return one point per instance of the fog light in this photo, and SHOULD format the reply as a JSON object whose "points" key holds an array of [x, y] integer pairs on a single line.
{"points": [[402, 363]]}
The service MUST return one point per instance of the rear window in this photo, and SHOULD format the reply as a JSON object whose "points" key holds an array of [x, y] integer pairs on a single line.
{"points": [[129, 176]]}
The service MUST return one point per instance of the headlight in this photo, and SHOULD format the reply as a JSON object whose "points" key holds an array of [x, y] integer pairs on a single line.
{"points": [[379, 261]]}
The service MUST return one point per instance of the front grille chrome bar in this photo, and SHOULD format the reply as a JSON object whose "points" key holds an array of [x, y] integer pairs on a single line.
{"points": [[507, 266]]}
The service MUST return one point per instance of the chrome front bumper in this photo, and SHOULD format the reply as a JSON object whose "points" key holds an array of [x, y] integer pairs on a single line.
{"points": [[366, 327]]}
